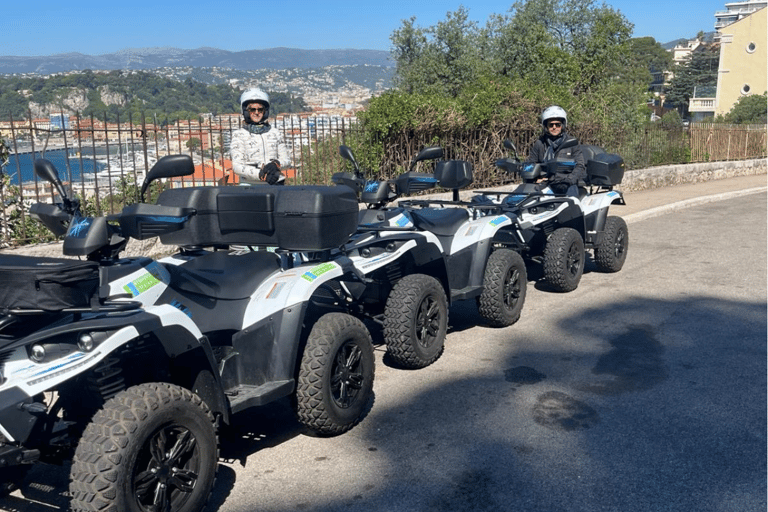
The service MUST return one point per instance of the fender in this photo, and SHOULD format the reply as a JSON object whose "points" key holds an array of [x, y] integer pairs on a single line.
{"points": [[535, 213], [477, 230], [265, 357], [466, 270], [596, 212], [111, 333], [144, 285], [25, 378], [290, 288], [603, 200], [424, 247]]}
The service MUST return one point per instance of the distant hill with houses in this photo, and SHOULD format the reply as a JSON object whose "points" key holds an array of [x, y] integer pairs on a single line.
{"points": [[152, 58]]}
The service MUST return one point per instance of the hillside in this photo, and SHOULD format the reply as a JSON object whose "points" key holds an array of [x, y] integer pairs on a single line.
{"points": [[708, 37], [152, 58]]}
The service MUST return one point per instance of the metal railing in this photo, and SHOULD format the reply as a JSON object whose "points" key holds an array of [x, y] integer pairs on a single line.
{"points": [[105, 163]]}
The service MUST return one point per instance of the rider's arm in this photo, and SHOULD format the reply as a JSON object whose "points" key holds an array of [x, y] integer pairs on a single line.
{"points": [[240, 160], [536, 154], [283, 155], [580, 170]]}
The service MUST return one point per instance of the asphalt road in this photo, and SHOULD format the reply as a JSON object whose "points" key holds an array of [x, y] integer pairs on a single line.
{"points": [[643, 390]]}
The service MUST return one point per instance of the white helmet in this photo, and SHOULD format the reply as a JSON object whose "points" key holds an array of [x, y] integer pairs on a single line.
{"points": [[554, 112], [254, 95]]}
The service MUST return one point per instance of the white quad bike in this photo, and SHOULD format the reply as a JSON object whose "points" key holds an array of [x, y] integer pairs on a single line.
{"points": [[451, 254], [129, 365], [557, 230]]}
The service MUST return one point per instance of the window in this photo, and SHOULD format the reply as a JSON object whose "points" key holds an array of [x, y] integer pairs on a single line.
{"points": [[745, 89], [751, 48]]}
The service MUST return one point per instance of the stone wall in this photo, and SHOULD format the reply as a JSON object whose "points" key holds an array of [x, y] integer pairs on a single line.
{"points": [[669, 175]]}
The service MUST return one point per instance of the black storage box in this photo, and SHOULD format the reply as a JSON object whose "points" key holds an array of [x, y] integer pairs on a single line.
{"points": [[308, 218], [50, 284], [605, 169]]}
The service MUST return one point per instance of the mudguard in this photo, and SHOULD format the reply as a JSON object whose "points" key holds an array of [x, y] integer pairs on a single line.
{"points": [[594, 202], [25, 378], [596, 211], [424, 247]]}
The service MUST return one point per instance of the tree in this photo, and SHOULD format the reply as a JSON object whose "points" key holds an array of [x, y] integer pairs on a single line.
{"points": [[12, 104], [439, 59], [574, 53], [193, 143], [700, 71], [649, 55], [749, 109]]}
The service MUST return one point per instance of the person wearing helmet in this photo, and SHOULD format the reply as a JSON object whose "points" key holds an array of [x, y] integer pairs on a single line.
{"points": [[555, 144], [257, 150]]}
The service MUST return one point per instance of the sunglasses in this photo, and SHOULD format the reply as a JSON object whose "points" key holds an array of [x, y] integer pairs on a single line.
{"points": [[554, 125], [254, 109]]}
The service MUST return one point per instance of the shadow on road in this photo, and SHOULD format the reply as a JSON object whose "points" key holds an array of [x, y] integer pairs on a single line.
{"points": [[668, 413]]}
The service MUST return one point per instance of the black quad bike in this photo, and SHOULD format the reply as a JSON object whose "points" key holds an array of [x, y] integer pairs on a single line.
{"points": [[129, 365]]}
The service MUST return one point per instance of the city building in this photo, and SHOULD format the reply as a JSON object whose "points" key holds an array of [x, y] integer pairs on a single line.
{"points": [[59, 121], [682, 51], [736, 11], [743, 58]]}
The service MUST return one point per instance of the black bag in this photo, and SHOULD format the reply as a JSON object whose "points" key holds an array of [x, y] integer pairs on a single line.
{"points": [[50, 284]]}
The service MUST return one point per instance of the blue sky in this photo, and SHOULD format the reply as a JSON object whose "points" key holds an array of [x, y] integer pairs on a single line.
{"points": [[46, 27]]}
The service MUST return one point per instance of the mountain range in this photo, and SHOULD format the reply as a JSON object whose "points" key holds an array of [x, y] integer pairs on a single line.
{"points": [[152, 58]]}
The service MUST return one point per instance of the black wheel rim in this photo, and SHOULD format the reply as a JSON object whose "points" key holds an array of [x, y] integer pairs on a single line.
{"points": [[428, 321], [511, 291], [167, 469], [573, 262], [347, 374]]}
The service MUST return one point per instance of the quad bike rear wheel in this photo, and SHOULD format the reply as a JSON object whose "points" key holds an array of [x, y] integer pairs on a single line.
{"points": [[564, 258], [611, 254], [504, 287], [335, 382], [416, 321]]}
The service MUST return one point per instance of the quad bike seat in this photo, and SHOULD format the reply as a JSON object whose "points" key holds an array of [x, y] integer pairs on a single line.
{"points": [[224, 275], [440, 221]]}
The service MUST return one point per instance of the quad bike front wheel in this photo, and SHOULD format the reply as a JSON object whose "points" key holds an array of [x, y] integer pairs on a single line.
{"points": [[416, 321], [564, 258], [504, 287], [335, 382], [611, 254], [151, 447]]}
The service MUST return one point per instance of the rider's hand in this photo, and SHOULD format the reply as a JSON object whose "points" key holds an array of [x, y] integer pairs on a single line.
{"points": [[271, 172]]}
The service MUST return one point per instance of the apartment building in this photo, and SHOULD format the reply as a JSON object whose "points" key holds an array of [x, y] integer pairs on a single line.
{"points": [[736, 11], [742, 35], [743, 57]]}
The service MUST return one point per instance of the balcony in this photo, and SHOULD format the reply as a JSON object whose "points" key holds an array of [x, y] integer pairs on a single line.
{"points": [[701, 105]]}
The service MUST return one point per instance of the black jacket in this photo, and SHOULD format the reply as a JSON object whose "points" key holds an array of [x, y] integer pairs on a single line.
{"points": [[545, 149]]}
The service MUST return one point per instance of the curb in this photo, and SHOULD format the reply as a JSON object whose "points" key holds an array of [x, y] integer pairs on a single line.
{"points": [[680, 205]]}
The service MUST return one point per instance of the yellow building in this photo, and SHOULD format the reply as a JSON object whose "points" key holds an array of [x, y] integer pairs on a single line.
{"points": [[743, 60]]}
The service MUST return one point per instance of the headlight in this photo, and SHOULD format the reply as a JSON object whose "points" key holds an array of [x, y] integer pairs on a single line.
{"points": [[58, 347], [86, 343], [37, 353]]}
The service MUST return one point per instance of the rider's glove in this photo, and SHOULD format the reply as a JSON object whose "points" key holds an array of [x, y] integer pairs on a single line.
{"points": [[271, 172]]}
